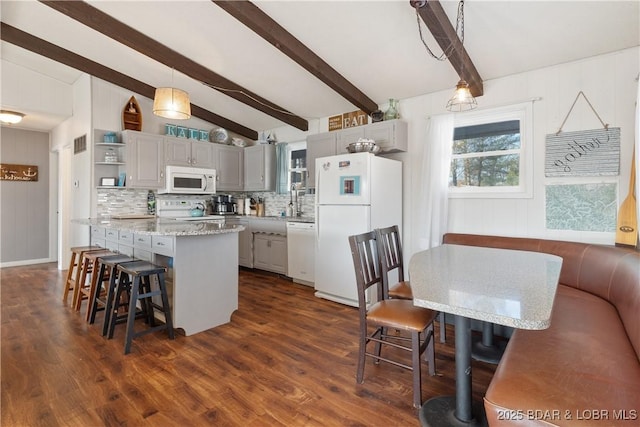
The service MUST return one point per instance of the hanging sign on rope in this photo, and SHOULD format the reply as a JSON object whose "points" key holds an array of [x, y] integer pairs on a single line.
{"points": [[594, 152]]}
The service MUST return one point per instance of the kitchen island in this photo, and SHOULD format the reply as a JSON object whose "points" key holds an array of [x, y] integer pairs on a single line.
{"points": [[201, 257]]}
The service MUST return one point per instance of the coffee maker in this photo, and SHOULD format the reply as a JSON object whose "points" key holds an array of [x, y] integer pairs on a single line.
{"points": [[224, 204]]}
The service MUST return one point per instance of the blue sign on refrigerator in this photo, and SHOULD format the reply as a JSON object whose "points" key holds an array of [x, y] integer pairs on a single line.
{"points": [[350, 185]]}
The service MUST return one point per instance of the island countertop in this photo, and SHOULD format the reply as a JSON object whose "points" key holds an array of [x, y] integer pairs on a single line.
{"points": [[160, 226]]}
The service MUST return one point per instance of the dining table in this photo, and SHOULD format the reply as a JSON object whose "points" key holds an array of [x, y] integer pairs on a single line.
{"points": [[501, 286]]}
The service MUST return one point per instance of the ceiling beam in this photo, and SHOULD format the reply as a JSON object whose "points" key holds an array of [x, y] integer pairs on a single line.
{"points": [[34, 44], [96, 19], [437, 21], [262, 24]]}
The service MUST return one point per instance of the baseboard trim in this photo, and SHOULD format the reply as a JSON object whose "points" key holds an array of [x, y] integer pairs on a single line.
{"points": [[26, 262]]}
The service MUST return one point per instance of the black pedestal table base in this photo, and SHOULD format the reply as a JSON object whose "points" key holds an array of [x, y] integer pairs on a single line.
{"points": [[440, 412], [458, 410], [485, 349]]}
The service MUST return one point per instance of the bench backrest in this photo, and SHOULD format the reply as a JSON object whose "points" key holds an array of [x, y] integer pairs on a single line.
{"points": [[610, 272]]}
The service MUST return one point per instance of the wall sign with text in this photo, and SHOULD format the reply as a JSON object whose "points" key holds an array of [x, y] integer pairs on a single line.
{"points": [[593, 152], [18, 172], [348, 120]]}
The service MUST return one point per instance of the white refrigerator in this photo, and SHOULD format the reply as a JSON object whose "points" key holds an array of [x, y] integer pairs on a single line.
{"points": [[355, 193]]}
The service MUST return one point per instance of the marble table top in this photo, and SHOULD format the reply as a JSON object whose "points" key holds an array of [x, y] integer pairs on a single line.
{"points": [[506, 287], [165, 227]]}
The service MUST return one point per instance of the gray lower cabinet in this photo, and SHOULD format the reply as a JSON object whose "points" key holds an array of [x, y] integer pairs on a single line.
{"points": [[245, 242], [270, 252], [263, 243], [141, 246]]}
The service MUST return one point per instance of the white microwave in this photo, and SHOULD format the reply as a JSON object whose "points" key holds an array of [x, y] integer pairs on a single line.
{"points": [[188, 180]]}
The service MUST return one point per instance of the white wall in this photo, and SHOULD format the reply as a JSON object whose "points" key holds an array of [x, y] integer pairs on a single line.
{"points": [[609, 81], [75, 194], [32, 93], [47, 99], [25, 205], [109, 100]]}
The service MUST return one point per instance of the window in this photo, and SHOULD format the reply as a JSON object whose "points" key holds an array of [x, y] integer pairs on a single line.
{"points": [[291, 167], [297, 165], [491, 154]]}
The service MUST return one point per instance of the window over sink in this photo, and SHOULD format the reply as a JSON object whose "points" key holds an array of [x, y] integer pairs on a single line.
{"points": [[292, 171]]}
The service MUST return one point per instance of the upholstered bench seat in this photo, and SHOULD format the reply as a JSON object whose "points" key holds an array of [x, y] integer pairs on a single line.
{"points": [[583, 362], [585, 368]]}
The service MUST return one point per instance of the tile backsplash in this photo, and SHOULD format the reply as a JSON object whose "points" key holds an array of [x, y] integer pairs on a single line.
{"points": [[276, 204], [134, 201], [121, 201]]}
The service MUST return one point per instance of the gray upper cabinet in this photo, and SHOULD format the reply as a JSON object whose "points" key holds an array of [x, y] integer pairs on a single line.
{"points": [[318, 145], [347, 136], [390, 135], [228, 161], [201, 154], [184, 152], [145, 160], [260, 168]]}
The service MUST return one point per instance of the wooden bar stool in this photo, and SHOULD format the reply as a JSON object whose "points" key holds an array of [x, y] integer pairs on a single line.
{"points": [[104, 274], [73, 274], [136, 278], [110, 264], [88, 264]]}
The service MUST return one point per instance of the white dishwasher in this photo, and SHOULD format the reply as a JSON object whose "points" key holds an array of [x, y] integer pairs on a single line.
{"points": [[301, 252]]}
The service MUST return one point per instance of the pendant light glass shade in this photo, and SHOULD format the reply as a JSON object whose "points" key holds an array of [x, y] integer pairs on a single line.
{"points": [[172, 103], [10, 117], [462, 100]]}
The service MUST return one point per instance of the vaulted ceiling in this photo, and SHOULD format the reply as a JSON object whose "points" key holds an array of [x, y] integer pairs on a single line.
{"points": [[347, 55]]}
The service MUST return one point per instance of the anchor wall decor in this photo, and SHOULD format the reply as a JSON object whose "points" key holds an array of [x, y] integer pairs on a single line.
{"points": [[18, 172]]}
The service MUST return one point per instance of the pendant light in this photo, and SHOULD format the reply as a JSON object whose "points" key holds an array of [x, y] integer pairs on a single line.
{"points": [[462, 100], [171, 103], [10, 117]]}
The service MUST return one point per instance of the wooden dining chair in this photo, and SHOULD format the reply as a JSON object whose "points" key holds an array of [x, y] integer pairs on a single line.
{"points": [[384, 314], [390, 252]]}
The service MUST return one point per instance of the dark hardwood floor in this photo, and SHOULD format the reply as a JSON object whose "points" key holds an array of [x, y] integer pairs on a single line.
{"points": [[286, 359]]}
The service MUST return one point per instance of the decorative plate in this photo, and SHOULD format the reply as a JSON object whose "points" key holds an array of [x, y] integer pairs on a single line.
{"points": [[220, 136], [238, 142]]}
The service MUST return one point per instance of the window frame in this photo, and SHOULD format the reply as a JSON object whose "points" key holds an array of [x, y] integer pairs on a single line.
{"points": [[295, 146], [524, 114]]}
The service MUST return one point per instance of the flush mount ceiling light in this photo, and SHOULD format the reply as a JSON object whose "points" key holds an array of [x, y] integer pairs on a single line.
{"points": [[172, 103], [10, 117]]}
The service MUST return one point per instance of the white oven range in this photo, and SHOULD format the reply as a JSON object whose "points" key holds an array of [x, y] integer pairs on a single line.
{"points": [[180, 207]]}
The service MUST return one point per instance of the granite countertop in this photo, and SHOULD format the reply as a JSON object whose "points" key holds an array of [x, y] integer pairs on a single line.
{"points": [[275, 218], [165, 227], [508, 287]]}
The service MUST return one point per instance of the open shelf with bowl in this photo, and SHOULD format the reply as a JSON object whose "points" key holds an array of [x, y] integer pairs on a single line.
{"points": [[108, 159]]}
